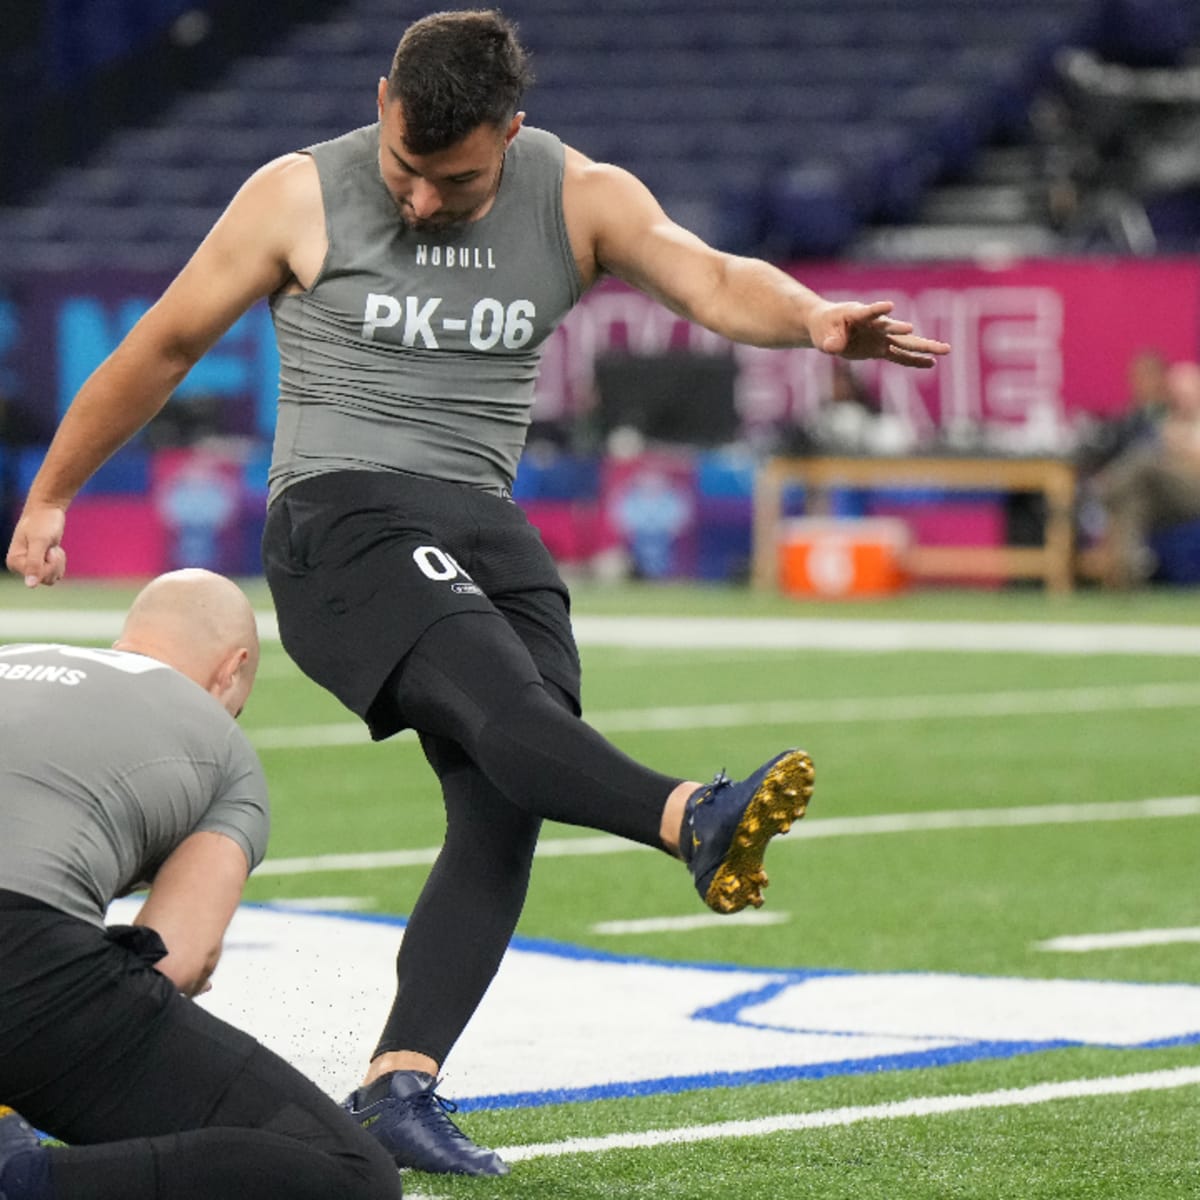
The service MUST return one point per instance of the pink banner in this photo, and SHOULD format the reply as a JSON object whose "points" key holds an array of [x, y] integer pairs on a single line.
{"points": [[1035, 344]]}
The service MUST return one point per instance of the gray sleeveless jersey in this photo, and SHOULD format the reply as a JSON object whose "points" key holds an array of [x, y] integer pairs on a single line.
{"points": [[416, 351], [107, 762]]}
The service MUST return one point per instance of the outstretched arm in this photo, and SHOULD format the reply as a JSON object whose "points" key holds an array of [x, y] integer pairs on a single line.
{"points": [[244, 258], [744, 299]]}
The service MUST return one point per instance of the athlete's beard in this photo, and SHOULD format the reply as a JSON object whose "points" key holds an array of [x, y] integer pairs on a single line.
{"points": [[439, 223], [449, 225]]}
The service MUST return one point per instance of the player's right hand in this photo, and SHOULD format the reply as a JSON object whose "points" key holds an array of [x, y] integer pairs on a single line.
{"points": [[36, 552]]}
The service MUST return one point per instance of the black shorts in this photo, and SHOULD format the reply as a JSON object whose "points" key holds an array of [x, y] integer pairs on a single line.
{"points": [[361, 563]]}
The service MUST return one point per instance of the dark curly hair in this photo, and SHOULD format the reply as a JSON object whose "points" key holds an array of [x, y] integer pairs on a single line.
{"points": [[455, 71]]}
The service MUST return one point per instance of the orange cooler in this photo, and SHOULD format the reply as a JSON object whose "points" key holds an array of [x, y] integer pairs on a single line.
{"points": [[829, 557]]}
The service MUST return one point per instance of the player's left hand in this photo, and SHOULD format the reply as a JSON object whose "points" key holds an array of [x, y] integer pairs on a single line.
{"points": [[853, 330]]}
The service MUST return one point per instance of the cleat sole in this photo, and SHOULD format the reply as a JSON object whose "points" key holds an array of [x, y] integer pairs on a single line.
{"points": [[780, 799]]}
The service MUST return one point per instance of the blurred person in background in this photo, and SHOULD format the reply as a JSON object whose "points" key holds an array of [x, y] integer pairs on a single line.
{"points": [[121, 769], [1154, 482], [415, 267], [1148, 400]]}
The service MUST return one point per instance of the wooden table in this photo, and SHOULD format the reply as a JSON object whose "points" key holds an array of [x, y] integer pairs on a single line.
{"points": [[1052, 478]]}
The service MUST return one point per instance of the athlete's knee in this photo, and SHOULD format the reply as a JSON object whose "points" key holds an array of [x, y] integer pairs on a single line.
{"points": [[530, 714]]}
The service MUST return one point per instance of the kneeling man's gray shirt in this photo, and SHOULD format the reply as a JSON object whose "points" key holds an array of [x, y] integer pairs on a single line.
{"points": [[108, 761]]}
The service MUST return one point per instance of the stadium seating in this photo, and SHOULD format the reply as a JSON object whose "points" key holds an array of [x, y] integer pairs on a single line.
{"points": [[889, 103], [777, 127]]}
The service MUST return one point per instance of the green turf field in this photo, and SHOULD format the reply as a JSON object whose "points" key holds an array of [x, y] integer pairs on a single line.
{"points": [[1019, 786]]}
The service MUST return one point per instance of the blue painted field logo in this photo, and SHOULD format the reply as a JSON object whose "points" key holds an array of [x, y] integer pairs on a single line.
{"points": [[316, 987]]}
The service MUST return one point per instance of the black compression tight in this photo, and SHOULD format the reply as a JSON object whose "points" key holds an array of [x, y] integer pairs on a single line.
{"points": [[509, 751], [471, 902], [470, 680], [273, 1136]]}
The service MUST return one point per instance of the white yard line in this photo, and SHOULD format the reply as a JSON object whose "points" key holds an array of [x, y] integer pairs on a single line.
{"points": [[922, 1106], [386, 859], [963, 818], [688, 924], [1001, 818], [1130, 939], [798, 633], [856, 710], [317, 737], [742, 633], [853, 710]]}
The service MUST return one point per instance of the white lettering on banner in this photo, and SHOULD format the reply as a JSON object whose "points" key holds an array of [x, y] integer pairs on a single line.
{"points": [[1021, 358], [1006, 368]]}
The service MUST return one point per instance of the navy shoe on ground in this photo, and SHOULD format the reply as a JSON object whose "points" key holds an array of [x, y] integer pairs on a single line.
{"points": [[23, 1169], [411, 1121], [727, 825]]}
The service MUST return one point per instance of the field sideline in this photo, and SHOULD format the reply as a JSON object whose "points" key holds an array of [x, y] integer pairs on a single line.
{"points": [[995, 815]]}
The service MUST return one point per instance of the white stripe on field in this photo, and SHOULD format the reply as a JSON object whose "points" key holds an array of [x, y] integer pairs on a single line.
{"points": [[854, 710], [1061, 701], [687, 924], [740, 633], [314, 737], [963, 818], [1082, 943], [584, 847], [922, 1106], [794, 633], [997, 818], [87, 624]]}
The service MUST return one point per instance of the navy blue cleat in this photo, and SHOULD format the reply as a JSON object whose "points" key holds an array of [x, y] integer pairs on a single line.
{"points": [[727, 825], [23, 1171], [411, 1121]]}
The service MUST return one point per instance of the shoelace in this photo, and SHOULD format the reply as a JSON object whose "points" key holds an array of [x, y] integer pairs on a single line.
{"points": [[432, 1109], [720, 780], [689, 842]]}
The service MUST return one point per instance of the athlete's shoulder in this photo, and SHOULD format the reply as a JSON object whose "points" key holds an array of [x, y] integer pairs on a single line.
{"points": [[288, 179], [602, 191], [273, 214]]}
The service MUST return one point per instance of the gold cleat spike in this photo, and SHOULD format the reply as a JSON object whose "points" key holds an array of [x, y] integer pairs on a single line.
{"points": [[781, 799]]}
